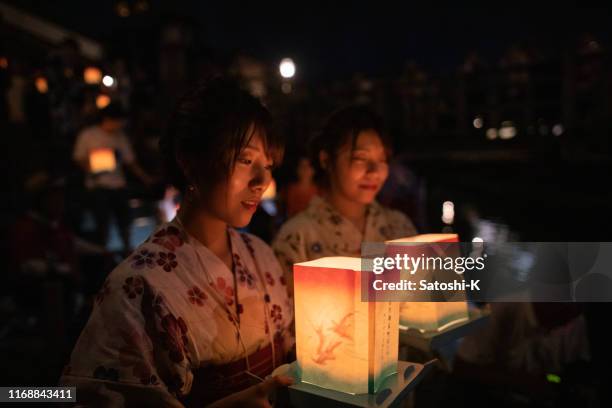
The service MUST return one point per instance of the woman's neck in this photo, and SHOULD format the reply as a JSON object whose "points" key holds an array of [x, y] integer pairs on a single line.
{"points": [[351, 210], [207, 229]]}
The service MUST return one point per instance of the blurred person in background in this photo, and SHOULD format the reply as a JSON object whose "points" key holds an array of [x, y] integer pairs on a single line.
{"points": [[102, 151], [299, 192], [16, 90], [44, 252], [42, 246], [63, 71]]}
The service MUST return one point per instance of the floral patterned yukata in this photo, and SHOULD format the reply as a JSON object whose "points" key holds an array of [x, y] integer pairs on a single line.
{"points": [[321, 231], [163, 327]]}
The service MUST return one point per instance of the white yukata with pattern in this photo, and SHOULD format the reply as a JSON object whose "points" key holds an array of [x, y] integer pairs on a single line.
{"points": [[169, 309]]}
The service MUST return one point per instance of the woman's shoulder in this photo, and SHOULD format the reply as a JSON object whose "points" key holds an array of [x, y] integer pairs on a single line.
{"points": [[381, 210], [394, 214], [307, 219], [158, 253], [301, 224], [299, 220]]}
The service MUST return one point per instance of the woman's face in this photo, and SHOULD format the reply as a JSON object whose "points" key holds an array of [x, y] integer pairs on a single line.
{"points": [[358, 174], [236, 200]]}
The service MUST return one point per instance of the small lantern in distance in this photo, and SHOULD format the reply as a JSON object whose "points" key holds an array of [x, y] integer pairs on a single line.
{"points": [[102, 160]]}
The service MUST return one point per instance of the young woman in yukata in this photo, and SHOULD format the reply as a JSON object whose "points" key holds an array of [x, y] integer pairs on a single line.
{"points": [[350, 161], [199, 310]]}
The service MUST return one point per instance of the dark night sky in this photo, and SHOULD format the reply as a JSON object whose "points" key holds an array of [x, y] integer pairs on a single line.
{"points": [[331, 40]]}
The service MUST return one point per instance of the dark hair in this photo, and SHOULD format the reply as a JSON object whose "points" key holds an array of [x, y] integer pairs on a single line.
{"points": [[342, 127], [208, 129], [112, 111]]}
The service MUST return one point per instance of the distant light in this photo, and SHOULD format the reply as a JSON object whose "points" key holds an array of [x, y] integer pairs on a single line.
{"points": [[270, 193], [558, 129], [102, 101], [3, 62], [41, 85], [478, 122], [123, 9], [141, 6], [287, 68], [108, 81], [286, 88], [169, 205], [491, 133], [507, 131], [448, 212], [553, 378], [269, 206], [477, 247], [92, 75], [267, 200]]}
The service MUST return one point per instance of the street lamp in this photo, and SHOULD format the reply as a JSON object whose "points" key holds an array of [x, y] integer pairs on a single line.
{"points": [[108, 81], [287, 68]]}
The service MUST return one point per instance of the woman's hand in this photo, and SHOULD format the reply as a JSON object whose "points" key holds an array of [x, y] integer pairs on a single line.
{"points": [[256, 396]]}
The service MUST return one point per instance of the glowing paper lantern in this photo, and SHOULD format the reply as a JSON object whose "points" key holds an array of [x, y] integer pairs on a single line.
{"points": [[343, 344], [430, 316], [101, 160]]}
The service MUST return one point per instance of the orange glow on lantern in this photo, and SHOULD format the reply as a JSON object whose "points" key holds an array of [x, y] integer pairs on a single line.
{"points": [[430, 316], [343, 344], [101, 160]]}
